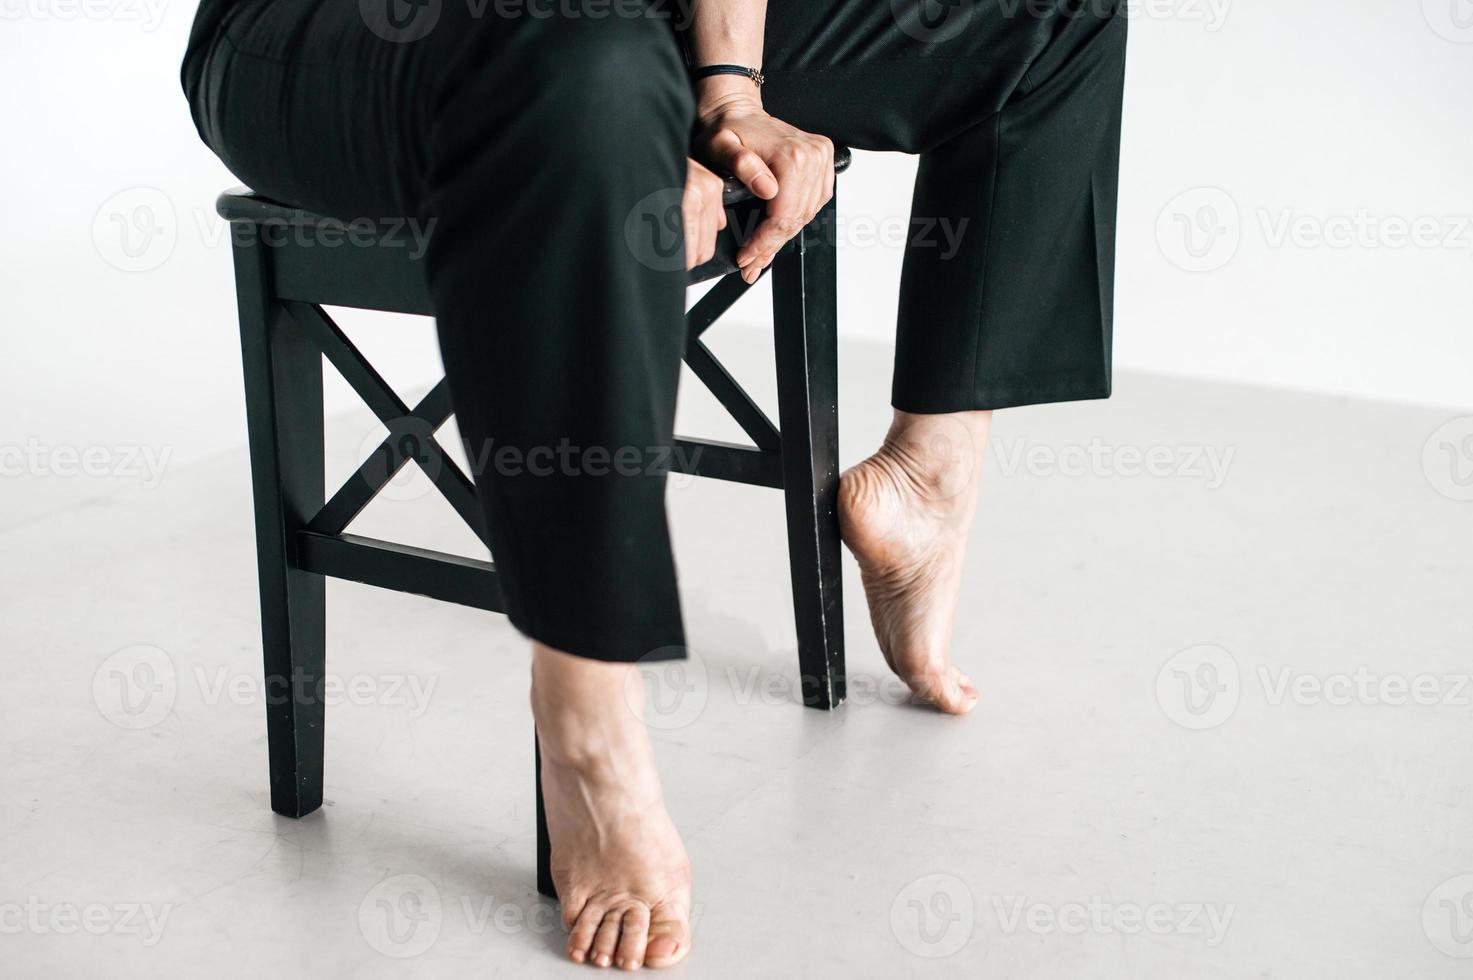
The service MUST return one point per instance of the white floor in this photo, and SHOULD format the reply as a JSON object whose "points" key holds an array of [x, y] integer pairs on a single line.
{"points": [[1196, 754]]}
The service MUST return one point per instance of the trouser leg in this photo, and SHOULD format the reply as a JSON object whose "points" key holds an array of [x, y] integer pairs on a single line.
{"points": [[548, 153], [1014, 107], [559, 300]]}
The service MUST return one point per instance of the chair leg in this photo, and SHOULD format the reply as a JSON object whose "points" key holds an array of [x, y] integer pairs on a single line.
{"points": [[805, 319], [544, 843], [283, 385]]}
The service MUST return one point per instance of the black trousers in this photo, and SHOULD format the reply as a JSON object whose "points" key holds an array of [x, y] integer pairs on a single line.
{"points": [[529, 132]]}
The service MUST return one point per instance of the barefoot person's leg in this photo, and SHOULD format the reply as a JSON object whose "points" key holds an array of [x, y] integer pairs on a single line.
{"points": [[537, 151], [562, 323], [619, 865], [905, 513], [1006, 293]]}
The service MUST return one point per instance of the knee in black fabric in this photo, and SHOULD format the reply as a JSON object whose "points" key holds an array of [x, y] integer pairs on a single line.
{"points": [[591, 85]]}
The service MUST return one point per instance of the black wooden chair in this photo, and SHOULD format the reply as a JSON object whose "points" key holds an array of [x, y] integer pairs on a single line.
{"points": [[290, 263]]}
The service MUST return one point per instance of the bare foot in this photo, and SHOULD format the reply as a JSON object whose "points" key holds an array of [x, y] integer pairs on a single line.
{"points": [[621, 871], [905, 513]]}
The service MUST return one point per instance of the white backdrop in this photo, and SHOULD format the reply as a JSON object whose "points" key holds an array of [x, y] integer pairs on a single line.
{"points": [[1295, 211]]}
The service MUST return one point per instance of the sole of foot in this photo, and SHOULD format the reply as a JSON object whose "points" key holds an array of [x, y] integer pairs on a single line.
{"points": [[905, 514]]}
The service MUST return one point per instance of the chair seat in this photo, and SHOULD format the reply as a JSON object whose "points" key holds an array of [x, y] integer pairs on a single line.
{"points": [[245, 205], [392, 277]]}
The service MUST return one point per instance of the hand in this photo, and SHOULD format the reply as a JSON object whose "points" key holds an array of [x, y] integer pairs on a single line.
{"points": [[701, 212], [791, 170]]}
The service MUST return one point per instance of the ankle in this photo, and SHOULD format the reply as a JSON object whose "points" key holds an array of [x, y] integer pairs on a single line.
{"points": [[938, 456], [589, 713]]}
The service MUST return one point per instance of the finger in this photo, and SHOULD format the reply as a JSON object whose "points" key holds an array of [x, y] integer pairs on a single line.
{"points": [[745, 165], [706, 247], [772, 234], [691, 223], [715, 217]]}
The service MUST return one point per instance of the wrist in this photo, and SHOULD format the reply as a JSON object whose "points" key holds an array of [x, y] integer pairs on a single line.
{"points": [[721, 94]]}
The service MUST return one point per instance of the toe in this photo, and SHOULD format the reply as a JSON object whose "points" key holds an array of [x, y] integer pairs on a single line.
{"points": [[950, 690], [633, 938], [606, 939], [669, 937], [580, 939]]}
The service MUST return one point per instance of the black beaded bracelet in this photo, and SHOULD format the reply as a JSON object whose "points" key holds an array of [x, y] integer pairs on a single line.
{"points": [[753, 73]]}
